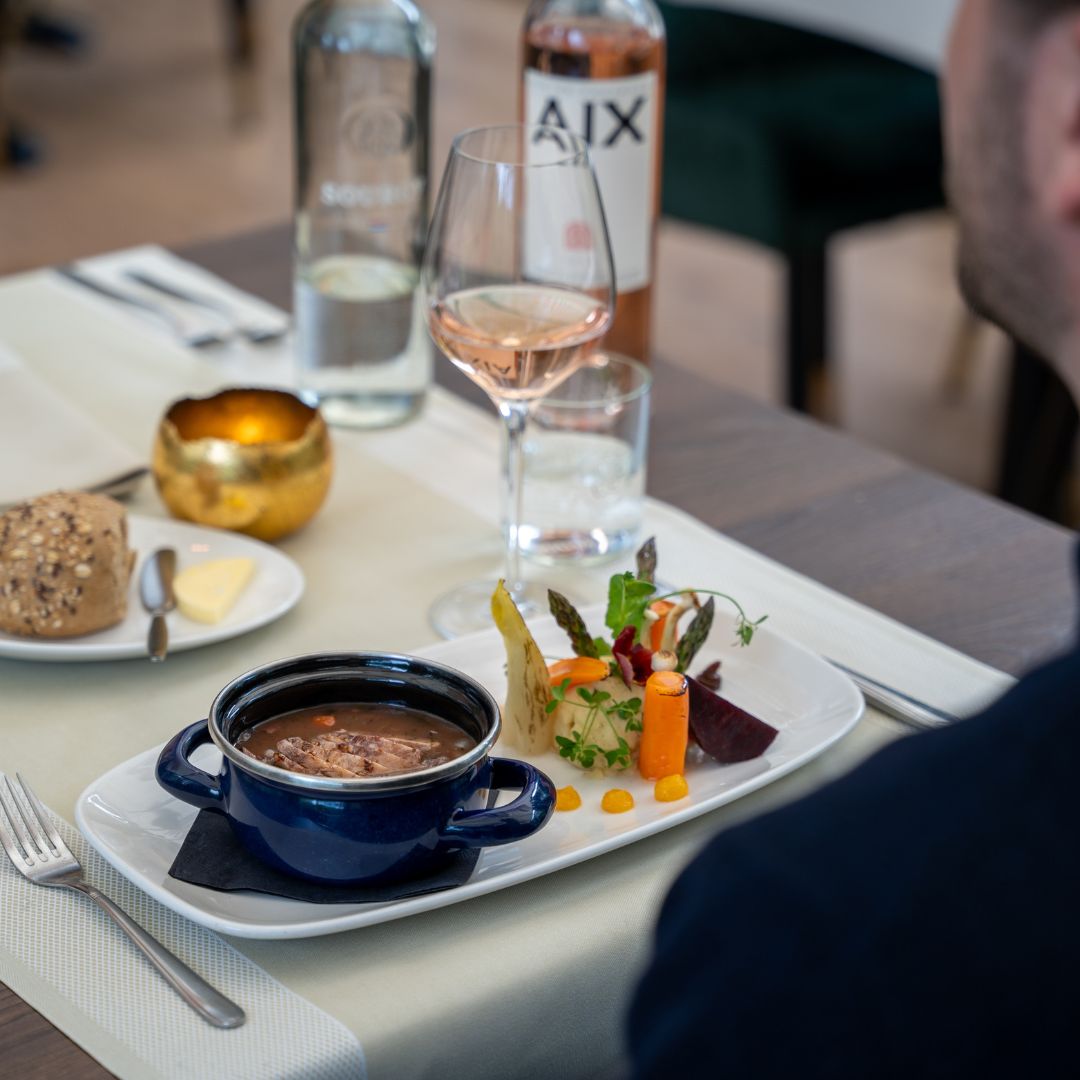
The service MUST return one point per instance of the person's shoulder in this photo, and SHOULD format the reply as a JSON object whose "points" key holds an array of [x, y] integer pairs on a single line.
{"points": [[885, 886], [950, 786]]}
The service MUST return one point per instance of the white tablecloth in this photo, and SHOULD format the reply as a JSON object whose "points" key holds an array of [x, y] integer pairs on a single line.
{"points": [[528, 982]]}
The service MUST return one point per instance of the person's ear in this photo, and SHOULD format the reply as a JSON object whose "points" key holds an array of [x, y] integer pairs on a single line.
{"points": [[1062, 193]]}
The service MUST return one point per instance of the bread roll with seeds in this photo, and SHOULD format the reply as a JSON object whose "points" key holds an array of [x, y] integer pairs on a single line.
{"points": [[65, 565]]}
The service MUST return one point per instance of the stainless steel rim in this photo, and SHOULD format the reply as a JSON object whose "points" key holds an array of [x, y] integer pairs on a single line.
{"points": [[361, 785]]}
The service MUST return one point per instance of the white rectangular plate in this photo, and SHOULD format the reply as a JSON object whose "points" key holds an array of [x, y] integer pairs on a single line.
{"points": [[139, 828]]}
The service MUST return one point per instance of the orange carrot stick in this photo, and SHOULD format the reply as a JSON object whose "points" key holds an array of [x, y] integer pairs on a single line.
{"points": [[666, 721], [580, 670], [656, 633]]}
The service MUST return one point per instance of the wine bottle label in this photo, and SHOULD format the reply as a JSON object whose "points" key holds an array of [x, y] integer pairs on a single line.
{"points": [[617, 118]]}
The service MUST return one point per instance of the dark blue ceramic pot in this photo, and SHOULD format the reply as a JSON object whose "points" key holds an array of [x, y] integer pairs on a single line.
{"points": [[375, 829]]}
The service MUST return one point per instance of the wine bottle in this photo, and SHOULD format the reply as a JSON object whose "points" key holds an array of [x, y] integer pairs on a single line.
{"points": [[596, 67]]}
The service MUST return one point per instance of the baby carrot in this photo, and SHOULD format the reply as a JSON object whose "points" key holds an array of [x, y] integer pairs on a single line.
{"points": [[665, 722], [661, 608], [580, 670]]}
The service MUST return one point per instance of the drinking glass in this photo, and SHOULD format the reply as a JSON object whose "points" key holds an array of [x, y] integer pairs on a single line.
{"points": [[584, 456], [518, 282]]}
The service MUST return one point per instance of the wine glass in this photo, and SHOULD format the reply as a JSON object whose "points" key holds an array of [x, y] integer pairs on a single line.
{"points": [[519, 282]]}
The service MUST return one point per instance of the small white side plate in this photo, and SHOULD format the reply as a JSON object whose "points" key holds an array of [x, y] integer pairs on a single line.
{"points": [[139, 828], [277, 585]]}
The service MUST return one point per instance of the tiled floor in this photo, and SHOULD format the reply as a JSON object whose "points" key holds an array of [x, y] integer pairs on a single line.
{"points": [[144, 143]]}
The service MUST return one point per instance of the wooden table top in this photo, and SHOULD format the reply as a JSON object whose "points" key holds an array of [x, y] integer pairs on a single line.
{"points": [[963, 568]]}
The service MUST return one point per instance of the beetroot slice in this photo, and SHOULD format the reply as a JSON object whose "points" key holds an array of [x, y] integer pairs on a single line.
{"points": [[625, 667], [624, 641], [724, 731], [641, 662], [635, 661], [710, 678]]}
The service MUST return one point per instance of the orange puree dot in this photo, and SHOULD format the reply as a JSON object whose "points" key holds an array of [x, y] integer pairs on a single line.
{"points": [[671, 788], [567, 798], [617, 801]]}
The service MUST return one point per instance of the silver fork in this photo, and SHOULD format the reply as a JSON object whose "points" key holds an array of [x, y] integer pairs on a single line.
{"points": [[39, 854], [199, 337], [255, 332]]}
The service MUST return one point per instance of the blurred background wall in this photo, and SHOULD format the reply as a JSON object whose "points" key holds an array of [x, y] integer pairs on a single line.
{"points": [[147, 132]]}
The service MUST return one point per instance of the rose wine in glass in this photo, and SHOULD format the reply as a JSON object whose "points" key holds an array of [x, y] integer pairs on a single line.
{"points": [[517, 341], [519, 285]]}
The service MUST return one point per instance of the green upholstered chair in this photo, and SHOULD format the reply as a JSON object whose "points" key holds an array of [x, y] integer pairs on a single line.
{"points": [[786, 137]]}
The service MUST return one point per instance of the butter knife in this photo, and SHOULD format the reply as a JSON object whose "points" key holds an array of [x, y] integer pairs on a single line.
{"points": [[156, 593], [895, 703]]}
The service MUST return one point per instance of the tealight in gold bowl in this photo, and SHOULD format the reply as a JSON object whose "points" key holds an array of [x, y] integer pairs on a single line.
{"points": [[255, 461]]}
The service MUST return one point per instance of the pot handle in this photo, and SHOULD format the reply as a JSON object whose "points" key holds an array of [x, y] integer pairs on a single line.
{"points": [[180, 778], [504, 824]]}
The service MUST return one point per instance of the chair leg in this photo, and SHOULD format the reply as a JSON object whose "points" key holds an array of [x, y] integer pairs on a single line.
{"points": [[241, 32], [7, 133], [1041, 424], [807, 323], [242, 52]]}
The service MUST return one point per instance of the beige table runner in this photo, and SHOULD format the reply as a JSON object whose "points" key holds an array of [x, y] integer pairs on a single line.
{"points": [[527, 982]]}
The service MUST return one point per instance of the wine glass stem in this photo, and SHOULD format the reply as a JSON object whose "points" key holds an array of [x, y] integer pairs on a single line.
{"points": [[514, 414]]}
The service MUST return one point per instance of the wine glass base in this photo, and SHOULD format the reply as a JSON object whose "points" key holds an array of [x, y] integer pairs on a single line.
{"points": [[467, 608]]}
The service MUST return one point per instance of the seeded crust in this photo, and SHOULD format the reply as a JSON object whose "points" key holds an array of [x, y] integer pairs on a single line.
{"points": [[65, 565]]}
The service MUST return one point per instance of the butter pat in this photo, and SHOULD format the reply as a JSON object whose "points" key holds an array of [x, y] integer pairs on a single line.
{"points": [[207, 591]]}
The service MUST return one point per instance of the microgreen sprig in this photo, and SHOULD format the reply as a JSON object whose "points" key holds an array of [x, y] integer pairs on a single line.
{"points": [[744, 626]]}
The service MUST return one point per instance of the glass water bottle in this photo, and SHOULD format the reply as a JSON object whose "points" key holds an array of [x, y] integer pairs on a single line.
{"points": [[362, 113]]}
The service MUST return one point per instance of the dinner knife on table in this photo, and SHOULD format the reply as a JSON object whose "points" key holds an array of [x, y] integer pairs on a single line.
{"points": [[895, 703], [156, 593]]}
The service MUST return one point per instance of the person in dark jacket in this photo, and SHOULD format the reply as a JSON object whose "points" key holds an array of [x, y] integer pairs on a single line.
{"points": [[921, 916]]}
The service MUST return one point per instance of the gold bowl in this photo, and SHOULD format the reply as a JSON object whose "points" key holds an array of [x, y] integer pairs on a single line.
{"points": [[255, 461]]}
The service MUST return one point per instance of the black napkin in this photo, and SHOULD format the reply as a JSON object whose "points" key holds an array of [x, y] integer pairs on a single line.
{"points": [[211, 856]]}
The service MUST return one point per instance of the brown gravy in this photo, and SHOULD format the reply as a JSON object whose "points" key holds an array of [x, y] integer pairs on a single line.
{"points": [[355, 741]]}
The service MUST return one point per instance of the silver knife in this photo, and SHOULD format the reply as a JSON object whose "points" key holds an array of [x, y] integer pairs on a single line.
{"points": [[121, 486], [895, 703], [156, 593]]}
